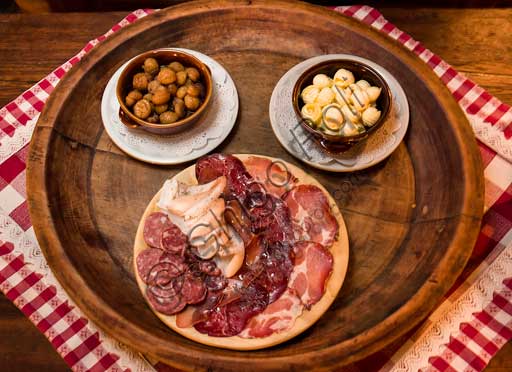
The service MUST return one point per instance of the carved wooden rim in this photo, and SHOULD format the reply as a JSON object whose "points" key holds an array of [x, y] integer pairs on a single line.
{"points": [[398, 323]]}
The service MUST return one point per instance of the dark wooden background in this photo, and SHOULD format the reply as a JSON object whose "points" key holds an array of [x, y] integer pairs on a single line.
{"points": [[477, 42]]}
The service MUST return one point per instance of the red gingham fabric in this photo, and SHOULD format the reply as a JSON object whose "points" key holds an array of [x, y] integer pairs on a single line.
{"points": [[452, 338]]}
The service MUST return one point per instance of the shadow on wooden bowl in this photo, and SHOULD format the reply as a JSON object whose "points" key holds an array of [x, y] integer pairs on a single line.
{"points": [[162, 56], [340, 143]]}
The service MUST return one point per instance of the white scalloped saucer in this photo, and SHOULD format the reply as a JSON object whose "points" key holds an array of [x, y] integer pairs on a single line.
{"points": [[178, 148], [297, 142]]}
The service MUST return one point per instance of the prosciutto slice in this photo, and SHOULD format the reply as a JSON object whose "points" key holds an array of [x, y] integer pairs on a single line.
{"points": [[311, 215], [273, 175], [279, 316], [313, 266]]}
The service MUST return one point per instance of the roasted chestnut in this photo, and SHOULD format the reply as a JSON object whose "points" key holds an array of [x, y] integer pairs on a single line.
{"points": [[142, 109]]}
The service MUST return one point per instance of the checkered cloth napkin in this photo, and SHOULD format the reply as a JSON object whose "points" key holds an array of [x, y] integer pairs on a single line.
{"points": [[470, 325]]}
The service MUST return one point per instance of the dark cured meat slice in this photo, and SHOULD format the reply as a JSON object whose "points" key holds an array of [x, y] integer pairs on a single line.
{"points": [[154, 226], [213, 166], [229, 320], [146, 260], [275, 266], [237, 216], [273, 219], [166, 305], [209, 268], [215, 283], [193, 290], [173, 240]]}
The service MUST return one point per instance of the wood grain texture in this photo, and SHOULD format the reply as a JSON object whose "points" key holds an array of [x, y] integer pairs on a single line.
{"points": [[25, 58], [83, 227]]}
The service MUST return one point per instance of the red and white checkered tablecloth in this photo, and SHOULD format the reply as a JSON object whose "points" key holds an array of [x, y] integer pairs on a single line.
{"points": [[462, 334]]}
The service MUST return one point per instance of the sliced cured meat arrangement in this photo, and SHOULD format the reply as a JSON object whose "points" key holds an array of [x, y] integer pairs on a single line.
{"points": [[277, 317], [311, 215], [245, 252], [273, 175], [313, 266]]}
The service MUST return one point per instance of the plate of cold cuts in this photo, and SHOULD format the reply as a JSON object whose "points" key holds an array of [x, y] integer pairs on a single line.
{"points": [[241, 251]]}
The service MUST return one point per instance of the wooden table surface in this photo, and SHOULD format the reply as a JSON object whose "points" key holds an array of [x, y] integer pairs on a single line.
{"points": [[476, 42]]}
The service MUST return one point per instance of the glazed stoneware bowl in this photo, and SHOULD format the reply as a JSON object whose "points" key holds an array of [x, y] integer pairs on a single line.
{"points": [[338, 143], [163, 56]]}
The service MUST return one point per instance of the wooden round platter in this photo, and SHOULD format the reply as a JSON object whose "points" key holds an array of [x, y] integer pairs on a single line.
{"points": [[339, 251], [412, 219]]}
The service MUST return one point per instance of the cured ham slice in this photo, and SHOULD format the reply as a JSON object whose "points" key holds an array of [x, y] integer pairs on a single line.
{"points": [[273, 175], [279, 316], [313, 266], [311, 214]]}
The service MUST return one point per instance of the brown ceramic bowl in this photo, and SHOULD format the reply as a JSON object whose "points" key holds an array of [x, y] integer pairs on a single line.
{"points": [[338, 143], [163, 56]]}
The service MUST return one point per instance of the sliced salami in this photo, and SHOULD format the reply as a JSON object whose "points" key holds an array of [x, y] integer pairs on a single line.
{"points": [[311, 215], [173, 240], [165, 305], [313, 266], [164, 271], [193, 290], [154, 226], [146, 260]]}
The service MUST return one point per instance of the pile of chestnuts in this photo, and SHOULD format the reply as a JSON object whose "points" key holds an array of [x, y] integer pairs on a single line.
{"points": [[164, 94]]}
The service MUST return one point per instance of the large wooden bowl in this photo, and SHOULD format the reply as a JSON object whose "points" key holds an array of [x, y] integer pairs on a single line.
{"points": [[412, 220]]}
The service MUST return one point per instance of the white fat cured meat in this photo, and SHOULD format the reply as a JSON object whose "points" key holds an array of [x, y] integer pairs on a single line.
{"points": [[190, 201], [230, 257], [279, 316]]}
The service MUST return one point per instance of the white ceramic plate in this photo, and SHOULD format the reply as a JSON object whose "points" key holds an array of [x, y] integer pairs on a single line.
{"points": [[178, 148], [298, 143]]}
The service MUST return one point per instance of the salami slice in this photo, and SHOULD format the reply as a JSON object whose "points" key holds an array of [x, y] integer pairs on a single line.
{"points": [[165, 305], [173, 240], [311, 214], [164, 271], [167, 287], [194, 290], [154, 226], [146, 260]]}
